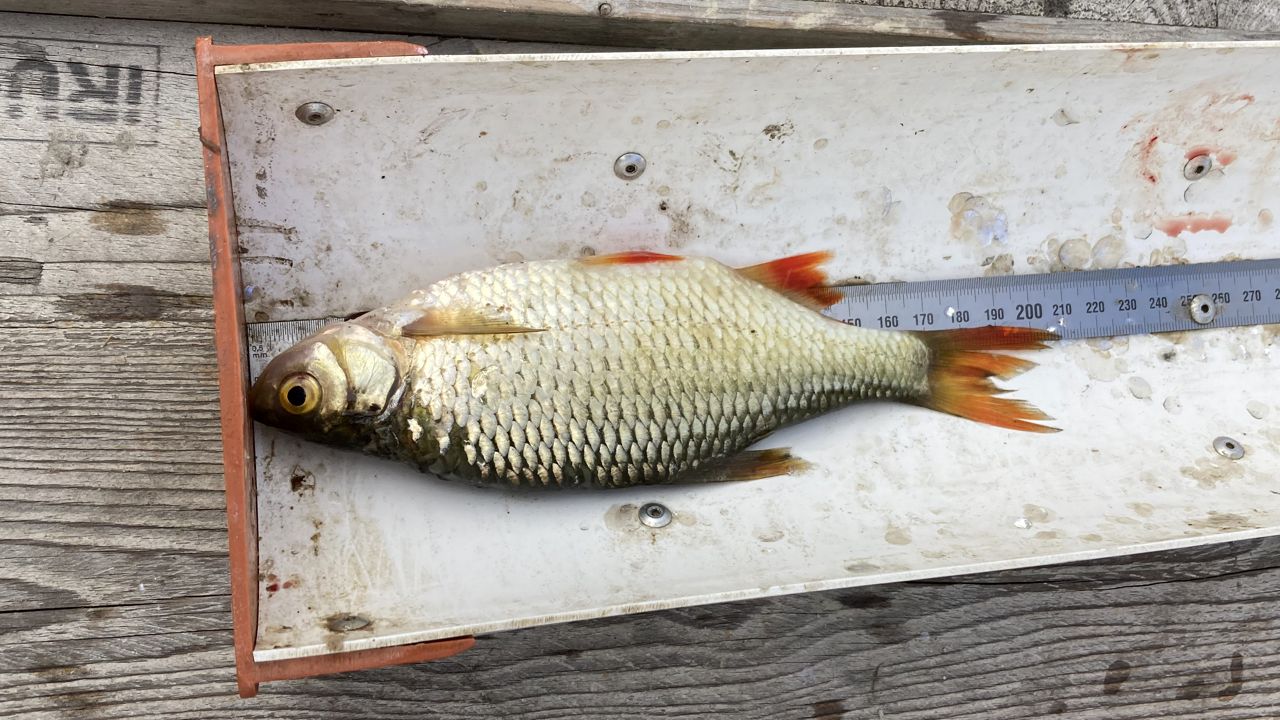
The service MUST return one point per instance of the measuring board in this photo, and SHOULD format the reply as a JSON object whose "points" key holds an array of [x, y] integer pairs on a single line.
{"points": [[913, 165], [1083, 304]]}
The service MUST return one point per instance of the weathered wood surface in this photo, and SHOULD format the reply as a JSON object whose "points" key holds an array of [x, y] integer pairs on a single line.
{"points": [[694, 24], [1248, 15], [113, 579]]}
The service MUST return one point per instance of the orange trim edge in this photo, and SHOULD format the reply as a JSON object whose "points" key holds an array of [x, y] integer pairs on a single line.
{"points": [[233, 376]]}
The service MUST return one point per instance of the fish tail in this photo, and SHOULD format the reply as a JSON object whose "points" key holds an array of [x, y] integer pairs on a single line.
{"points": [[961, 365]]}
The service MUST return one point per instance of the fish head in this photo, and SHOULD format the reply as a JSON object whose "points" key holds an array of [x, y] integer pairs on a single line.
{"points": [[332, 387]]}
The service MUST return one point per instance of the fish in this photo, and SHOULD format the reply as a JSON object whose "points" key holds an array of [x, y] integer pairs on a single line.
{"points": [[608, 371]]}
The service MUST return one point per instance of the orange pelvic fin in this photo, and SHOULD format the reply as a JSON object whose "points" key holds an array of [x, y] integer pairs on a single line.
{"points": [[633, 257], [799, 277], [961, 368], [758, 464]]}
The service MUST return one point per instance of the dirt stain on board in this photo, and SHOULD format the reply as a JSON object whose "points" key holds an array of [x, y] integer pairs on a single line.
{"points": [[1222, 522], [828, 710], [778, 131], [122, 302], [1117, 674], [1211, 472], [121, 220]]}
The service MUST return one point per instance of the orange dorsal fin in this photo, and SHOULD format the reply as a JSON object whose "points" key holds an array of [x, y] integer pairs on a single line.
{"points": [[632, 257], [799, 277], [961, 366]]}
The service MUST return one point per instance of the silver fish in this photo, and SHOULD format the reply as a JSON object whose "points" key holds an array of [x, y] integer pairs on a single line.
{"points": [[619, 370]]}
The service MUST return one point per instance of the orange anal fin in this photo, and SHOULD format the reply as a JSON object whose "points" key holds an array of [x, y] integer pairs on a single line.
{"points": [[759, 464], [634, 257], [961, 368], [799, 277], [461, 321]]}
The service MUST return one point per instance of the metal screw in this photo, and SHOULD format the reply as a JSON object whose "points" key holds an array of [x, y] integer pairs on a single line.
{"points": [[605, 9], [314, 113], [1228, 448], [655, 515], [1197, 167], [629, 166], [1203, 309]]}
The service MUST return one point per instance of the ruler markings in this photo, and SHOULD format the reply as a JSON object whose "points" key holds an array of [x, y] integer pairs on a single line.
{"points": [[1097, 303]]}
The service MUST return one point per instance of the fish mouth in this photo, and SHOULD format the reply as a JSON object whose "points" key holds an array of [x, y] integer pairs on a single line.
{"points": [[259, 402]]}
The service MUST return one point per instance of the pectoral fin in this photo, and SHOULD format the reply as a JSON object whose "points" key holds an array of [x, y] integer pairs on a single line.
{"points": [[461, 321]]}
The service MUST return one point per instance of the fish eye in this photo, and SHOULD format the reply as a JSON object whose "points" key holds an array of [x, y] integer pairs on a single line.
{"points": [[299, 394]]}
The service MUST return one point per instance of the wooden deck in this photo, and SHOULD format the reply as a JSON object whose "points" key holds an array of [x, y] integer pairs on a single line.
{"points": [[113, 575], [696, 24]]}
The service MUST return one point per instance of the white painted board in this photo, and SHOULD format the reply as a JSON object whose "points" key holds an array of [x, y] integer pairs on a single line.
{"points": [[1071, 157]]}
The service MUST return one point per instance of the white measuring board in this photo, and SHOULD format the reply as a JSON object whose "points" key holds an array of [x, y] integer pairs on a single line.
{"points": [[913, 165]]}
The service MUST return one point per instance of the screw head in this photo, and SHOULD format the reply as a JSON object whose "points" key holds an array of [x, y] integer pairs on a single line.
{"points": [[314, 113], [655, 515], [1203, 309], [629, 166], [1197, 167], [1228, 447]]}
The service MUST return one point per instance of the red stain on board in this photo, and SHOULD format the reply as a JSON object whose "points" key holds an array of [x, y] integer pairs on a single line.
{"points": [[1144, 159], [1220, 157], [1193, 223], [274, 585]]}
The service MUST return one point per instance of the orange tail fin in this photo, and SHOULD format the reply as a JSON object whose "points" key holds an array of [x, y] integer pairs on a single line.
{"points": [[961, 368]]}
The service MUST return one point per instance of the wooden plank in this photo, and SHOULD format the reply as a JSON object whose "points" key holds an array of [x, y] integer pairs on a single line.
{"points": [[1190, 13], [1249, 15], [113, 587], [681, 24], [1171, 635]]}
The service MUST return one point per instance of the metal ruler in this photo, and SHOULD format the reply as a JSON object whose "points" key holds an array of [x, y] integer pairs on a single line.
{"points": [[1083, 304]]}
